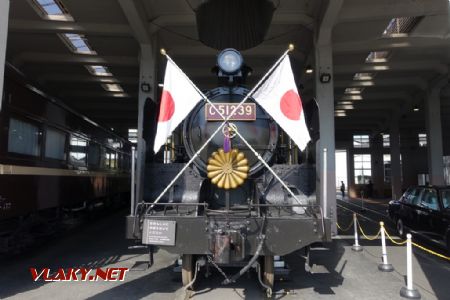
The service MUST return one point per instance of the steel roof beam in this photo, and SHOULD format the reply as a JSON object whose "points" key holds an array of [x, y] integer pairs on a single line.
{"points": [[57, 58], [135, 13], [405, 81], [59, 77], [390, 43], [47, 26], [294, 18], [361, 11], [424, 65], [375, 96]]}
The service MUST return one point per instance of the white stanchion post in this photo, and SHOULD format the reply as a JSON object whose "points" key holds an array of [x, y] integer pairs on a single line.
{"points": [[385, 266], [409, 291], [356, 247], [325, 188], [133, 181]]}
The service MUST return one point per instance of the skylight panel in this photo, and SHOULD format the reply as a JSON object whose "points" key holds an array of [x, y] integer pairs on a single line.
{"points": [[363, 76], [99, 70], [353, 90], [112, 87], [401, 25], [377, 56], [77, 43], [50, 7], [340, 113], [51, 10]]}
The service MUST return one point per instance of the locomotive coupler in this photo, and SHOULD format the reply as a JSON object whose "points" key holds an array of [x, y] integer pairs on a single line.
{"points": [[228, 243]]}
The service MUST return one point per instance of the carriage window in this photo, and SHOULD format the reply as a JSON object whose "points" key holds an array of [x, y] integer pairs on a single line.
{"points": [[55, 144], [94, 155], [119, 161], [23, 138], [107, 159], [78, 150], [126, 162], [113, 160]]}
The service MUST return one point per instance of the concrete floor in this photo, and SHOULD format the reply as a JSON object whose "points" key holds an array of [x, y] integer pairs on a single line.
{"points": [[339, 273]]}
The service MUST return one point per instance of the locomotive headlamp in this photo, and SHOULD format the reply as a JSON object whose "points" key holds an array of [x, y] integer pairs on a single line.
{"points": [[230, 61]]}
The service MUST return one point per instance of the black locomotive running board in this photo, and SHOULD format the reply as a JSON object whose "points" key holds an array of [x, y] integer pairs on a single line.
{"points": [[283, 235]]}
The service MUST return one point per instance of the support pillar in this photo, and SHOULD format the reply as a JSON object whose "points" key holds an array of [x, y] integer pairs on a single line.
{"points": [[325, 101], [147, 78], [434, 136], [394, 140], [4, 18]]}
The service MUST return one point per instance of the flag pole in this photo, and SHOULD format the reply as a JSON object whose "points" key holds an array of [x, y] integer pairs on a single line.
{"points": [[197, 153]]}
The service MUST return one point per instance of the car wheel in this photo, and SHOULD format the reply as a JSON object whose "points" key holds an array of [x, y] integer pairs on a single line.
{"points": [[401, 228]]}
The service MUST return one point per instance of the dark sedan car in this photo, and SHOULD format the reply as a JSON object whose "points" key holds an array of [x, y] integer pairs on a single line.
{"points": [[425, 210]]}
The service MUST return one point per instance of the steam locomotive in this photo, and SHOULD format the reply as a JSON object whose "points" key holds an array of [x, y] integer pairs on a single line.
{"points": [[227, 209]]}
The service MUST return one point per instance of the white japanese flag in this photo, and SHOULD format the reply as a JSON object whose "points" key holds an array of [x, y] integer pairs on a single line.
{"points": [[177, 100], [280, 99]]}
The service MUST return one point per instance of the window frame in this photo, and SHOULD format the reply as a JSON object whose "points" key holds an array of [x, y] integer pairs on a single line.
{"points": [[363, 169], [424, 204], [360, 138], [417, 197], [32, 122], [387, 169], [66, 144], [442, 198], [422, 143], [386, 139], [98, 146], [69, 159]]}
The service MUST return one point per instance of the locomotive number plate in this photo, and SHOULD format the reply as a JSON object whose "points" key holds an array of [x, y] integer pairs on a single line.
{"points": [[245, 112]]}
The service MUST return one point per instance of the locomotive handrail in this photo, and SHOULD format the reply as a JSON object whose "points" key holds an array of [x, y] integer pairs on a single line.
{"points": [[283, 205]]}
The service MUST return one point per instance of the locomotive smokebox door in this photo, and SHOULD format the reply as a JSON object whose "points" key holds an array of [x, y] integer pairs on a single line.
{"points": [[159, 232]]}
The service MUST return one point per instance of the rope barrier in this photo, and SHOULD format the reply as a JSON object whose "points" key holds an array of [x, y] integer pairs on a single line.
{"points": [[431, 251], [392, 240], [368, 238], [397, 243], [346, 228]]}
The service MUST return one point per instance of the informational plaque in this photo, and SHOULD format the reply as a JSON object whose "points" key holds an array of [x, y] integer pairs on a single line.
{"points": [[159, 232]]}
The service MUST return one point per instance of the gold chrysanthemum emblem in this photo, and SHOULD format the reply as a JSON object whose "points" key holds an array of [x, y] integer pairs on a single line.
{"points": [[227, 170]]}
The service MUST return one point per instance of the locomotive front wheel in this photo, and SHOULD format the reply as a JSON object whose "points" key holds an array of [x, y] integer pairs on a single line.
{"points": [[187, 270], [268, 274]]}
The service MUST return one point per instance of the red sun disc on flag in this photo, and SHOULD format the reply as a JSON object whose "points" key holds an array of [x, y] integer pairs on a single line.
{"points": [[291, 106], [167, 107]]}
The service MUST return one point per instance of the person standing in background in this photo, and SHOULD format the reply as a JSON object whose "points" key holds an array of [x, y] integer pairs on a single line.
{"points": [[343, 189]]}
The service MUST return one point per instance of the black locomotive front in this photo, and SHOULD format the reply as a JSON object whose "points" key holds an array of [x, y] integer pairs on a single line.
{"points": [[229, 225]]}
